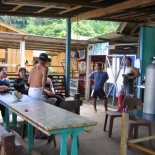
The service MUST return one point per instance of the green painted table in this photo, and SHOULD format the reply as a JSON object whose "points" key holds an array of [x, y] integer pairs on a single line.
{"points": [[47, 118]]}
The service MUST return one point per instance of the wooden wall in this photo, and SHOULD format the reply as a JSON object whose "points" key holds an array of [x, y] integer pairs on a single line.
{"points": [[57, 64], [14, 58]]}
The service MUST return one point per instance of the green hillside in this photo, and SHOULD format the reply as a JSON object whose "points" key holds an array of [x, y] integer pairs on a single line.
{"points": [[57, 27]]}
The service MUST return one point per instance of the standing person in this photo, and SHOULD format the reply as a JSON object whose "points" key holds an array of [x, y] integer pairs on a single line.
{"points": [[131, 73], [99, 77], [38, 77], [4, 88], [37, 80], [21, 83]]}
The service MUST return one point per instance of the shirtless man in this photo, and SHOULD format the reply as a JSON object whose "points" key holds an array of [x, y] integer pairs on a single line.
{"points": [[38, 77]]}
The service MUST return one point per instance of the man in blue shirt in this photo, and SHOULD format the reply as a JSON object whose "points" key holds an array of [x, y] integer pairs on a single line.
{"points": [[99, 77]]}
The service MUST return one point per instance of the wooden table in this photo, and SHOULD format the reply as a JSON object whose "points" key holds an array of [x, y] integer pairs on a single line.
{"points": [[124, 133], [47, 118]]}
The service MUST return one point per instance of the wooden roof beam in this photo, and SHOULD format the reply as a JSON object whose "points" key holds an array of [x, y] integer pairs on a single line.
{"points": [[140, 10], [16, 8], [116, 20], [52, 6], [111, 9], [133, 16], [71, 9], [46, 3], [43, 9], [147, 17]]}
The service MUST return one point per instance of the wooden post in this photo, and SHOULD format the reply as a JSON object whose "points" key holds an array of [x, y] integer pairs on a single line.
{"points": [[22, 53], [124, 134], [88, 68]]}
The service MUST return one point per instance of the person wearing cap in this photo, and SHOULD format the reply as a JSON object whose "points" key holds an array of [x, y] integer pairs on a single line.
{"points": [[38, 77], [37, 80], [131, 73]]}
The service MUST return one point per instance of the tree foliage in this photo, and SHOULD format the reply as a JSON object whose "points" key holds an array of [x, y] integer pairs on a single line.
{"points": [[57, 27]]}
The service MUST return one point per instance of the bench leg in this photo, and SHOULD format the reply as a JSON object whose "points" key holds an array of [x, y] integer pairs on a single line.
{"points": [[6, 122], [14, 118], [30, 137], [110, 126], [105, 122]]}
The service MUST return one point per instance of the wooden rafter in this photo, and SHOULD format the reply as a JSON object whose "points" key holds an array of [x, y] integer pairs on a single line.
{"points": [[16, 8], [120, 14], [147, 17], [133, 15], [71, 9], [43, 9], [116, 19], [141, 10], [111, 9], [52, 6], [46, 3]]}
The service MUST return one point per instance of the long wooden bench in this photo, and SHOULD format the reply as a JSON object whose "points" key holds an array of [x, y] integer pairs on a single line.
{"points": [[57, 80], [8, 143], [59, 83]]}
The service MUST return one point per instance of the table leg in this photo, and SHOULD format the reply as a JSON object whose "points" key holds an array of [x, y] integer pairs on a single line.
{"points": [[75, 133], [74, 150], [63, 149], [14, 120], [64, 133], [30, 137], [124, 134], [7, 116]]}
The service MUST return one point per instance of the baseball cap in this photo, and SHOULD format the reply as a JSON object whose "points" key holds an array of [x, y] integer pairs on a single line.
{"points": [[43, 57]]}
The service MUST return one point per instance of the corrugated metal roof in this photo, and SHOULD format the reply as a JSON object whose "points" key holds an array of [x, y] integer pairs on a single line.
{"points": [[12, 40]]}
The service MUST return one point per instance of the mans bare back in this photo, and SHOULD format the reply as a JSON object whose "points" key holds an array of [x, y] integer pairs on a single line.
{"points": [[38, 75]]}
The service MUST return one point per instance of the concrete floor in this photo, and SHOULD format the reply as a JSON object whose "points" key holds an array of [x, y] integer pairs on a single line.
{"points": [[95, 143]]}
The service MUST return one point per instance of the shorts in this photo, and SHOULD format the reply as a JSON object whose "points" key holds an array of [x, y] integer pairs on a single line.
{"points": [[36, 93], [128, 88], [98, 93]]}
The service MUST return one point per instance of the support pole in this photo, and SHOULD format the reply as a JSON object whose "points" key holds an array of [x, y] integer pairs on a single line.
{"points": [[88, 70], [68, 48], [141, 58], [22, 53]]}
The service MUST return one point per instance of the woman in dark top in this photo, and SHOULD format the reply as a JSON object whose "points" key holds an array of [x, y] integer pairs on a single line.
{"points": [[49, 93], [4, 87], [21, 84]]}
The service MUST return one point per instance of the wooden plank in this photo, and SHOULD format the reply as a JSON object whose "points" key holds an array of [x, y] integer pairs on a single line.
{"points": [[109, 10], [141, 139], [141, 148], [24, 143], [43, 9], [71, 9], [133, 15], [45, 3], [124, 134], [16, 8]]}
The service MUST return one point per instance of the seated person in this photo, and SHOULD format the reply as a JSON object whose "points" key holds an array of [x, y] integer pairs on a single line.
{"points": [[21, 84], [49, 93], [4, 88]]}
